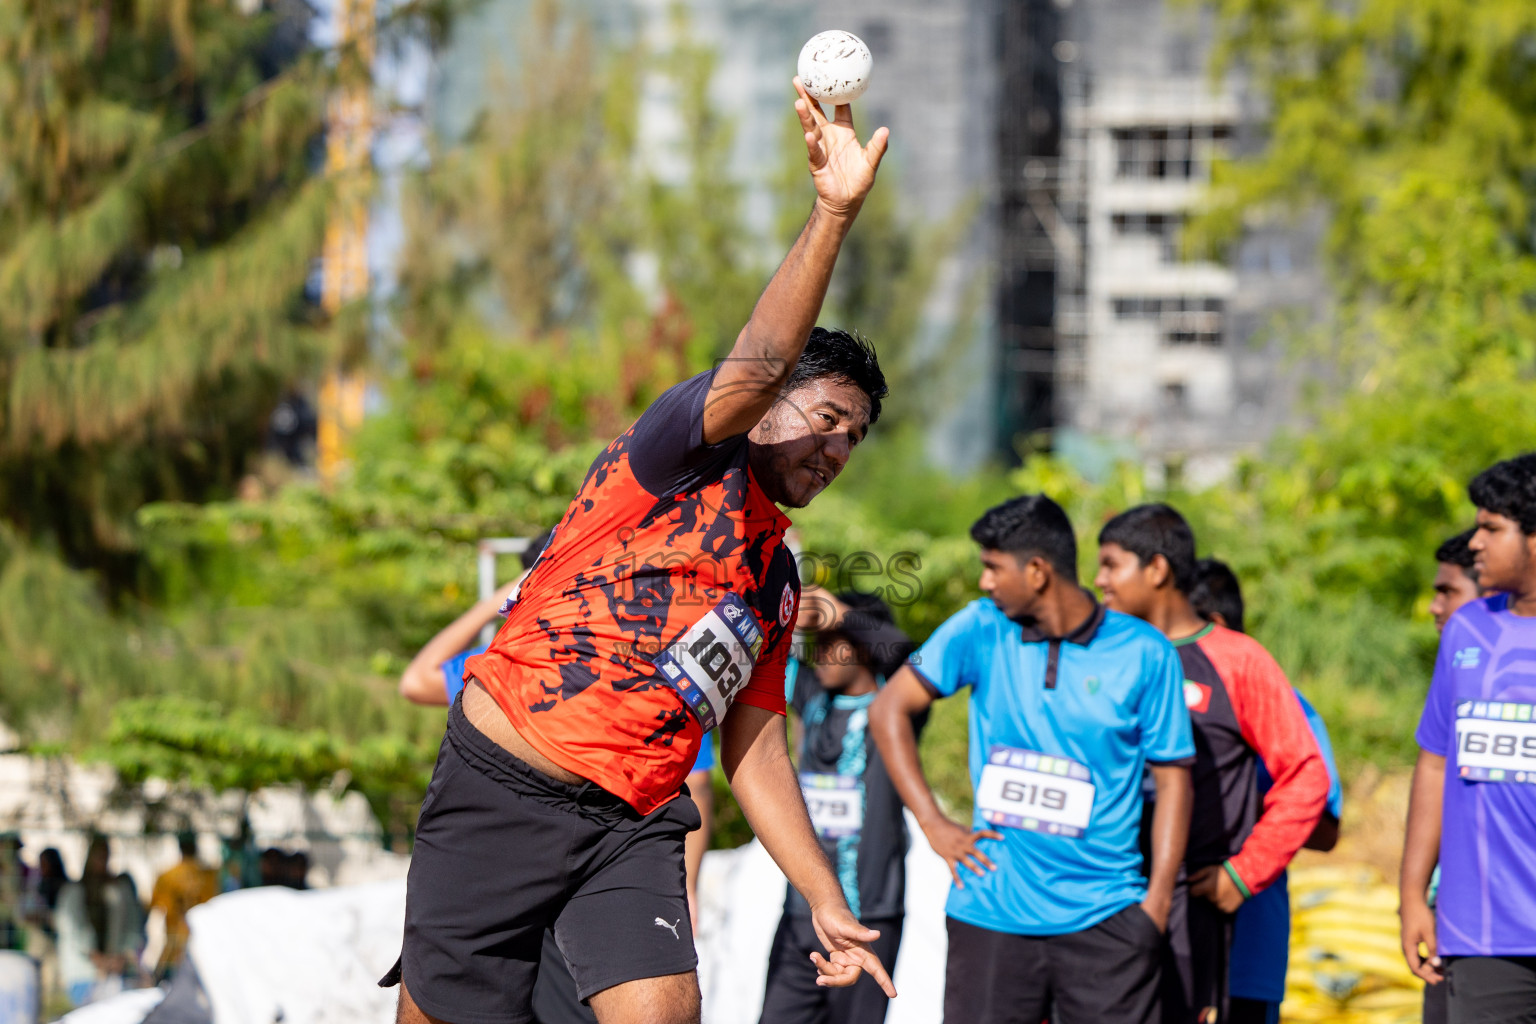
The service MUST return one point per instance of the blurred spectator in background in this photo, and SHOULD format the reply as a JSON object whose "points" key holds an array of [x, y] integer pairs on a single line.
{"points": [[1455, 578], [100, 928], [18, 894], [296, 870], [1261, 931], [51, 878], [274, 866], [182, 887]]}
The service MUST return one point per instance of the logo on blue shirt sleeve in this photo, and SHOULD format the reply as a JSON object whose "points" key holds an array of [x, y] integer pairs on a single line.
{"points": [[1467, 657]]}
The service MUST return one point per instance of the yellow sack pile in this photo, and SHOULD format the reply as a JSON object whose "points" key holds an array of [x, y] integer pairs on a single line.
{"points": [[1346, 966]]}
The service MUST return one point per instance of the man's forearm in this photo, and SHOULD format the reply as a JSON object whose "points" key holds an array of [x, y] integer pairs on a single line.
{"points": [[1421, 843], [896, 739], [1170, 830], [770, 798], [785, 313]]}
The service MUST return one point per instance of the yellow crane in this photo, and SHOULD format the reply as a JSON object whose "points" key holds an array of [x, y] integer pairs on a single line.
{"points": [[344, 264]]}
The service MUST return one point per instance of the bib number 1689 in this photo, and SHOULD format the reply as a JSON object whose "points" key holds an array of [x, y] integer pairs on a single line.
{"points": [[1495, 742]]}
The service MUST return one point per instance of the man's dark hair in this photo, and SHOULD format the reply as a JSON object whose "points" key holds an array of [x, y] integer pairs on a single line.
{"points": [[536, 548], [1456, 551], [843, 356], [186, 842], [1508, 489], [1027, 526], [1150, 530], [1217, 592]]}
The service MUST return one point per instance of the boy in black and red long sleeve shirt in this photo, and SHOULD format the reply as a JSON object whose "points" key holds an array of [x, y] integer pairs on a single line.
{"points": [[1243, 710]]}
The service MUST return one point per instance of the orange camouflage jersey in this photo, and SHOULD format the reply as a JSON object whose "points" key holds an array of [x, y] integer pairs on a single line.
{"points": [[666, 594]]}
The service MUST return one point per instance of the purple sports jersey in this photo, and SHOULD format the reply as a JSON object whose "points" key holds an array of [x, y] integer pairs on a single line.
{"points": [[1481, 716]]}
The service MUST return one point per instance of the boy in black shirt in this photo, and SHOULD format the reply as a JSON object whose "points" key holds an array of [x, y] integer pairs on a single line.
{"points": [[854, 808]]}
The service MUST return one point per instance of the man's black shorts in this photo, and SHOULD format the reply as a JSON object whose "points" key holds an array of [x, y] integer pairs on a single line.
{"points": [[503, 853], [1105, 973]]}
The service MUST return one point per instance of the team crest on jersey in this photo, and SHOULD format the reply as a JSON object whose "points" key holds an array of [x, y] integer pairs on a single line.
{"points": [[1467, 657], [1197, 696], [786, 605]]}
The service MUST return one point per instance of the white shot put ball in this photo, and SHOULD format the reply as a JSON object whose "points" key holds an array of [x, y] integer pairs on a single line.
{"points": [[834, 66]]}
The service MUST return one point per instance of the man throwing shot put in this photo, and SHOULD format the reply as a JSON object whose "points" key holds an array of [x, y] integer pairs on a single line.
{"points": [[661, 609]]}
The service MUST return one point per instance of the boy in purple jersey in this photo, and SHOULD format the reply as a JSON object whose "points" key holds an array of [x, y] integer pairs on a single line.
{"points": [[1473, 803]]}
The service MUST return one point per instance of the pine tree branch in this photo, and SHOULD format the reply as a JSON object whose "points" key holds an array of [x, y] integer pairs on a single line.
{"points": [[228, 308]]}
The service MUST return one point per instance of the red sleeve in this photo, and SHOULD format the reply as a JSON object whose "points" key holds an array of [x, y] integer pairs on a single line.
{"points": [[1275, 726], [766, 687]]}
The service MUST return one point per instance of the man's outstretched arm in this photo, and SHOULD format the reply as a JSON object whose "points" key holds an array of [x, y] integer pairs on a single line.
{"points": [[756, 761], [750, 379], [422, 681]]}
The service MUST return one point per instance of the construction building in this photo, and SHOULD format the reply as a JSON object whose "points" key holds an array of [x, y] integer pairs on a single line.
{"points": [[1083, 131]]}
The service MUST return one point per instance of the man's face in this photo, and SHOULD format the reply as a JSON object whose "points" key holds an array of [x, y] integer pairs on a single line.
{"points": [[1502, 555], [1013, 587], [804, 442], [837, 662], [1126, 585], [1453, 588]]}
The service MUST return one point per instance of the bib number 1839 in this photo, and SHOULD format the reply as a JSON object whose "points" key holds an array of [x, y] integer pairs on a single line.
{"points": [[713, 659]]}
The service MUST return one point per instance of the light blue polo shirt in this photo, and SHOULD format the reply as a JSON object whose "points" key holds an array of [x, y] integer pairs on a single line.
{"points": [[1109, 697]]}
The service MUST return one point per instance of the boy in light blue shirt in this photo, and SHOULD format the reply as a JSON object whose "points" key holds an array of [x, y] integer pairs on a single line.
{"points": [[1069, 704]]}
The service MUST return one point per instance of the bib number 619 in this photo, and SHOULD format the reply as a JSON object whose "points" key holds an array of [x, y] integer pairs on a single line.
{"points": [[1034, 795]]}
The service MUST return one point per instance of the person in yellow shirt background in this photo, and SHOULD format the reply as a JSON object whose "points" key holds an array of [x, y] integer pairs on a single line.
{"points": [[180, 888]]}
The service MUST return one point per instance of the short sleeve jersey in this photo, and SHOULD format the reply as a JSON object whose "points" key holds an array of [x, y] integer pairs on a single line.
{"points": [[1261, 931], [662, 529], [1109, 697], [453, 683], [1244, 710], [1481, 711]]}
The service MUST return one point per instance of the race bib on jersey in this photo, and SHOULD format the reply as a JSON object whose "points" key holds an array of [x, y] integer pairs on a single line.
{"points": [[836, 803], [1034, 791], [713, 660], [1496, 741]]}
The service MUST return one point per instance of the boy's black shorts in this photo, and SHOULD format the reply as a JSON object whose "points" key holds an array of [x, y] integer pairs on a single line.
{"points": [[1196, 959], [504, 853], [1108, 972]]}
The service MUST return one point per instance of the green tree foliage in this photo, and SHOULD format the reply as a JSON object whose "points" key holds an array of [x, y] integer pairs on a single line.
{"points": [[551, 286], [1413, 126], [158, 216]]}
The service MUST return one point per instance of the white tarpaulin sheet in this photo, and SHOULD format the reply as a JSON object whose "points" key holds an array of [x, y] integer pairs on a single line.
{"points": [[314, 957]]}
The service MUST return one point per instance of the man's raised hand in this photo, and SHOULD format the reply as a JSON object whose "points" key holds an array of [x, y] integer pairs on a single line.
{"points": [[842, 170]]}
